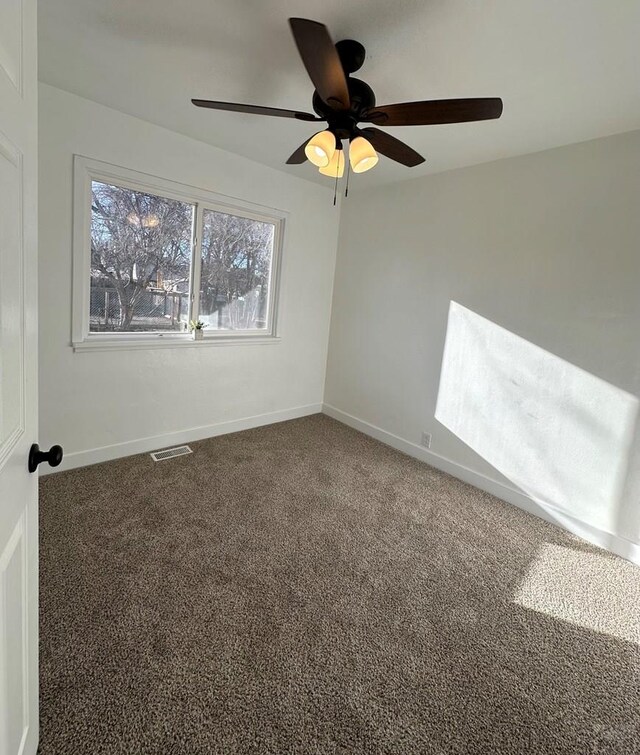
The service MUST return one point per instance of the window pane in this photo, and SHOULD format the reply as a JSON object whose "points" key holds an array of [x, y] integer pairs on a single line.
{"points": [[236, 272], [140, 260]]}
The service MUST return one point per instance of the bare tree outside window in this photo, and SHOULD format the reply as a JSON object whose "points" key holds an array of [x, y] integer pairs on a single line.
{"points": [[140, 260], [235, 273]]}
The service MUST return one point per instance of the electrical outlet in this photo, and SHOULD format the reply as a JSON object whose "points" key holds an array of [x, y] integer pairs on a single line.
{"points": [[426, 440]]}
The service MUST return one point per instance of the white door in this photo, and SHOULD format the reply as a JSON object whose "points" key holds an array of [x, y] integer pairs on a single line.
{"points": [[18, 379]]}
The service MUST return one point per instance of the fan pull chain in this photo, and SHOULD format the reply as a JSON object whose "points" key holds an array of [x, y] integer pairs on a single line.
{"points": [[346, 188], [335, 188]]}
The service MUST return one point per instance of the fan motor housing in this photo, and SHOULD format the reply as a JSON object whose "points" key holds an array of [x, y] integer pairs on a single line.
{"points": [[344, 122]]}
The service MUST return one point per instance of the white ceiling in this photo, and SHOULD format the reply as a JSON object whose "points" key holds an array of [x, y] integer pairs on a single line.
{"points": [[567, 70]]}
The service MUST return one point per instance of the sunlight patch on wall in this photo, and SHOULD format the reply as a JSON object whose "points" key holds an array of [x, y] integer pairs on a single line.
{"points": [[559, 433], [589, 589]]}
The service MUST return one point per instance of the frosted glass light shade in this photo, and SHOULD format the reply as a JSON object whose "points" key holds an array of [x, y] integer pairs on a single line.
{"points": [[320, 148], [336, 166], [362, 155]]}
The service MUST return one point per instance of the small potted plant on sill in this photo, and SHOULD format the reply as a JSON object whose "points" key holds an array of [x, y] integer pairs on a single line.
{"points": [[196, 327]]}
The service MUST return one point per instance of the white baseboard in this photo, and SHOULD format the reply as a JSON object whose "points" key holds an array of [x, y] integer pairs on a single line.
{"points": [[607, 540], [144, 445]]}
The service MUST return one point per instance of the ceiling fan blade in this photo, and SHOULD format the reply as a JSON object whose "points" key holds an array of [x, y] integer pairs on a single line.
{"points": [[236, 107], [431, 112], [391, 147], [299, 155], [322, 61]]}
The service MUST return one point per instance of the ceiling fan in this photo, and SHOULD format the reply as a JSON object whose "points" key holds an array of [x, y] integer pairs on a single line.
{"points": [[344, 103]]}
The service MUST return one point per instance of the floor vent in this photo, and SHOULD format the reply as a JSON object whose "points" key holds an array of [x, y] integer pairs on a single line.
{"points": [[169, 453]]}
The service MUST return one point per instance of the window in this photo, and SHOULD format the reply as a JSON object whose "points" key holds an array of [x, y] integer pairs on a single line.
{"points": [[140, 261], [151, 256], [234, 276]]}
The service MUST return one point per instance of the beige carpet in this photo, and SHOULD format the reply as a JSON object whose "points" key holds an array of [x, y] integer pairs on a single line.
{"points": [[301, 588]]}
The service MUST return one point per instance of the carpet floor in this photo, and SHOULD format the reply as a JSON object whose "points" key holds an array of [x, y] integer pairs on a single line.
{"points": [[301, 588]]}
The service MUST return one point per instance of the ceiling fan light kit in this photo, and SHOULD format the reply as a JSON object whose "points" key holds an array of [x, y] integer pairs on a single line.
{"points": [[362, 155], [320, 148], [345, 102], [335, 168]]}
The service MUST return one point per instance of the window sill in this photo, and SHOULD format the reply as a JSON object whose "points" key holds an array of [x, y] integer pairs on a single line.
{"points": [[169, 342]]}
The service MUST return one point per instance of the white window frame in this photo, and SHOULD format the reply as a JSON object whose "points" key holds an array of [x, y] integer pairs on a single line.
{"points": [[86, 170]]}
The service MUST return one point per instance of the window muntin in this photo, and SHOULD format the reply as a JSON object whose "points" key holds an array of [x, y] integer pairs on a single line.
{"points": [[140, 261], [235, 273]]}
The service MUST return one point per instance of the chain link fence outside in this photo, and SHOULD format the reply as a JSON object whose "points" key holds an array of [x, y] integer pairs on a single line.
{"points": [[154, 310]]}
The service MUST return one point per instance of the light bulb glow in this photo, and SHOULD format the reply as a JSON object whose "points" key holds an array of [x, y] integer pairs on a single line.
{"points": [[320, 148], [144, 221], [336, 166], [362, 155]]}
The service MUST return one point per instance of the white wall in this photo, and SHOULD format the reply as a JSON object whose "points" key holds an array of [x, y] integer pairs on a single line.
{"points": [[127, 401], [547, 248]]}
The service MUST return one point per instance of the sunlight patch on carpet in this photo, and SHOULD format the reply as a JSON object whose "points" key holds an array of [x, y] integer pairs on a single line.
{"points": [[591, 590]]}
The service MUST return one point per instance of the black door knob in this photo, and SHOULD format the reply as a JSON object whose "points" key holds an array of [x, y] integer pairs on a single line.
{"points": [[53, 456]]}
